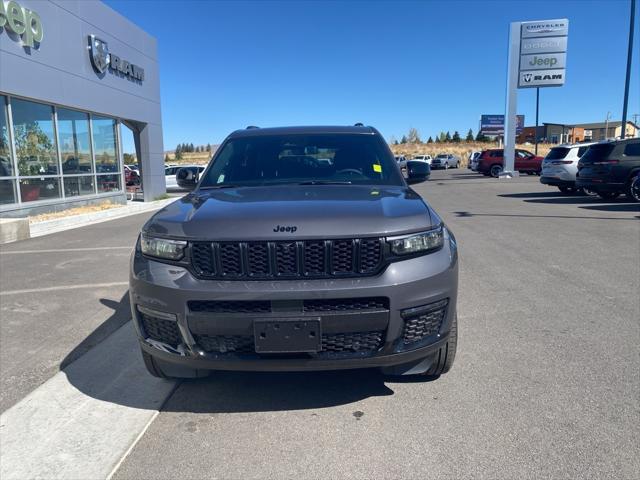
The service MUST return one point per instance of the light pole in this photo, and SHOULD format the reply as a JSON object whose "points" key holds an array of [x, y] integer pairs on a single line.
{"points": [[606, 126], [537, 108], [626, 82]]}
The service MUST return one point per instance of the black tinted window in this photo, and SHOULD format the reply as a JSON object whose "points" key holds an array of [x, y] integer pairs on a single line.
{"points": [[632, 149], [557, 153], [496, 153], [597, 152], [581, 151], [279, 159]]}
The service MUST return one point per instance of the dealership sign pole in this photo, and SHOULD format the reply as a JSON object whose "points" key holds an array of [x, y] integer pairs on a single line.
{"points": [[537, 59]]}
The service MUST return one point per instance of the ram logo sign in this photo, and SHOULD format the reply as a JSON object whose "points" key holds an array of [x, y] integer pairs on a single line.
{"points": [[542, 78], [102, 59]]}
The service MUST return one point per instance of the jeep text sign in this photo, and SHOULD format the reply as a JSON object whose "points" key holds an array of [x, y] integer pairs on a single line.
{"points": [[543, 60], [23, 22], [543, 53]]}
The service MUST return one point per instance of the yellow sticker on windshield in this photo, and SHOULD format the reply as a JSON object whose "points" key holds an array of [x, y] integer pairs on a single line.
{"points": [[377, 168]]}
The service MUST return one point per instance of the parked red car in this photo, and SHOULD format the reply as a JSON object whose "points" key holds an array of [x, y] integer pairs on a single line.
{"points": [[491, 162]]}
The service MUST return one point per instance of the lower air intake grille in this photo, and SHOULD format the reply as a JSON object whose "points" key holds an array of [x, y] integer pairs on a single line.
{"points": [[422, 322], [165, 331], [230, 306], [352, 342], [346, 304]]}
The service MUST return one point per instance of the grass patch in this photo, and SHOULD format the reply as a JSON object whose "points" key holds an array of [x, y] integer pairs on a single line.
{"points": [[164, 196], [74, 211]]}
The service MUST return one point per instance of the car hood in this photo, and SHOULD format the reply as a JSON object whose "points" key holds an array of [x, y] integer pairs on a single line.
{"points": [[316, 211]]}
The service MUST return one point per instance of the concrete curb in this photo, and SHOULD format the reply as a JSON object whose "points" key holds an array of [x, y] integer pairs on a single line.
{"points": [[67, 223]]}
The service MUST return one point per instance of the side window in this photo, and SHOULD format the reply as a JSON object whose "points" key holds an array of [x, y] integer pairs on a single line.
{"points": [[496, 153], [581, 151], [632, 149]]}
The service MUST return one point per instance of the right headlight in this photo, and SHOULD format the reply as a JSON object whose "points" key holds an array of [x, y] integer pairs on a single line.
{"points": [[162, 247], [423, 242]]}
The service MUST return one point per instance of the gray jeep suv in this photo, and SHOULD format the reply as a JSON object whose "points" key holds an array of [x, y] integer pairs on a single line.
{"points": [[299, 248]]}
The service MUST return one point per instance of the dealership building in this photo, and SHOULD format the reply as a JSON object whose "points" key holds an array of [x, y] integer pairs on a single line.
{"points": [[73, 75]]}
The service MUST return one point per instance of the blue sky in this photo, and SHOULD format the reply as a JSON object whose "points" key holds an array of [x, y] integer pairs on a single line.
{"points": [[432, 65]]}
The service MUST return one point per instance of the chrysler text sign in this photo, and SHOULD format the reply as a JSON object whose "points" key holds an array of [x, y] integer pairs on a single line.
{"points": [[543, 53]]}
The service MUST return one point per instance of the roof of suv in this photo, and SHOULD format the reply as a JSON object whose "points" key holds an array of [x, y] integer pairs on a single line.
{"points": [[256, 132]]}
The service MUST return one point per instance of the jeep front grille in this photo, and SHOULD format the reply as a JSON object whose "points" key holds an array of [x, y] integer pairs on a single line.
{"points": [[287, 259]]}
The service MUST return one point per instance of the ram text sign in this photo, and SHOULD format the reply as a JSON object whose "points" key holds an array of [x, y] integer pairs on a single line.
{"points": [[102, 59], [543, 53]]}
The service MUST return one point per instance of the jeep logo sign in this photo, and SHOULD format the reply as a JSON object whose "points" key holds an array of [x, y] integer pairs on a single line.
{"points": [[23, 22], [543, 61], [101, 59]]}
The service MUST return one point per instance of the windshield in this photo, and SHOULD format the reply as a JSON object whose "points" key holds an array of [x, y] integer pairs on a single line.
{"points": [[443, 155], [294, 159]]}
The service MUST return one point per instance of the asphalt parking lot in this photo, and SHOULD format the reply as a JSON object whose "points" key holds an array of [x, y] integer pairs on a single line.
{"points": [[546, 382]]}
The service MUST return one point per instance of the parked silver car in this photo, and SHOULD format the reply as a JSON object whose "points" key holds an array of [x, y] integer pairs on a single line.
{"points": [[560, 166], [445, 160]]}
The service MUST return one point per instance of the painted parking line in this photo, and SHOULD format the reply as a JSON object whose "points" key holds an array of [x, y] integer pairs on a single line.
{"points": [[81, 422], [65, 250], [63, 287]]}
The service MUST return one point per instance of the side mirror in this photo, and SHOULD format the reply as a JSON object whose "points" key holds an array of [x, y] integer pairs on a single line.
{"points": [[418, 171], [187, 178]]}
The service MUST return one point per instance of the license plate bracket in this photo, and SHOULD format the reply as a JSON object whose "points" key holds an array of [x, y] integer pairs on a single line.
{"points": [[288, 335]]}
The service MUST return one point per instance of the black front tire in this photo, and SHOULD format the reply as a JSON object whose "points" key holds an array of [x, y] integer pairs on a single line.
{"points": [[633, 188], [446, 354]]}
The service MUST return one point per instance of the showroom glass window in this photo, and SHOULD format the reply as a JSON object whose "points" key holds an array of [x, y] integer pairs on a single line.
{"points": [[75, 152], [7, 185], [36, 151], [105, 151]]}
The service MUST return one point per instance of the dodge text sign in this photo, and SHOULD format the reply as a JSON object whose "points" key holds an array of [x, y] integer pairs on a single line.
{"points": [[543, 53]]}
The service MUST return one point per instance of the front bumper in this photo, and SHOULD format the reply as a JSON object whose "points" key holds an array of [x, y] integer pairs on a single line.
{"points": [[415, 282]]}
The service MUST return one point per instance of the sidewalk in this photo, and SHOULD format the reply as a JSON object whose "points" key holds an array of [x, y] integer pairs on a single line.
{"points": [[46, 227]]}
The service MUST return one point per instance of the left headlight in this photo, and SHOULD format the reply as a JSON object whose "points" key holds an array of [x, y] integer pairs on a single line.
{"points": [[162, 247], [423, 242]]}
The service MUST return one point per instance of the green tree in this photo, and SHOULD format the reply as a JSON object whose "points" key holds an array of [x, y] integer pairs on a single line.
{"points": [[447, 137], [469, 136], [430, 140], [442, 137], [129, 158], [403, 140], [191, 149], [480, 137], [208, 147], [456, 137], [437, 139], [166, 158]]}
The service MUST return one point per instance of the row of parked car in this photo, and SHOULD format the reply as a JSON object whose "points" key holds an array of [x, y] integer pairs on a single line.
{"points": [[608, 168]]}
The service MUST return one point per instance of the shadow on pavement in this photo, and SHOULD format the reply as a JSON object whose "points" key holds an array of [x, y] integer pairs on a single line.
{"points": [[619, 207], [111, 369], [472, 214], [121, 314], [234, 392]]}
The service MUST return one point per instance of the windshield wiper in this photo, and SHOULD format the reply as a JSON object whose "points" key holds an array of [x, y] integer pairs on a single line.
{"points": [[325, 182]]}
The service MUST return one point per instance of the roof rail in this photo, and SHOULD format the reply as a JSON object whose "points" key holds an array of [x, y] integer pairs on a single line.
{"points": [[359, 124], [251, 127]]}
